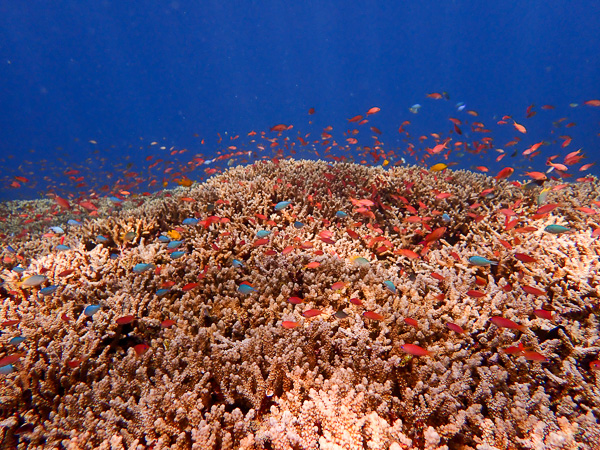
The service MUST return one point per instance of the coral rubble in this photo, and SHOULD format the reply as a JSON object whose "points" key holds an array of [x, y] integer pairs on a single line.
{"points": [[225, 373]]}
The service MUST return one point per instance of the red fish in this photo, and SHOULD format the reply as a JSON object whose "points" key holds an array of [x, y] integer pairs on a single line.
{"points": [[125, 320], [312, 313], [412, 322], [504, 173], [295, 300], [533, 291], [372, 315], [140, 349], [415, 350], [502, 322], [289, 324], [456, 328]]}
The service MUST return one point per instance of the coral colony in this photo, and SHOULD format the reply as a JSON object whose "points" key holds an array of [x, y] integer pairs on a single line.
{"points": [[306, 305]]}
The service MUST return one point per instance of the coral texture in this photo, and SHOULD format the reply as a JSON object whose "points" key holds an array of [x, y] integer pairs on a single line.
{"points": [[227, 375]]}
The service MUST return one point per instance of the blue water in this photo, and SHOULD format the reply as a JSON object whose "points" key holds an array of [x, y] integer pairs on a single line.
{"points": [[126, 74]]}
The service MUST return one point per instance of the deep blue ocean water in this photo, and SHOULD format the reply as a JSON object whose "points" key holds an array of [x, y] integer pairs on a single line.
{"points": [[126, 74]]}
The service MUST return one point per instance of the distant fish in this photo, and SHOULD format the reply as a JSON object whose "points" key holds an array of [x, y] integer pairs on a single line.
{"points": [[414, 108]]}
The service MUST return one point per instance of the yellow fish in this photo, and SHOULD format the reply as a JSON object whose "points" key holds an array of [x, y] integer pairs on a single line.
{"points": [[174, 234], [438, 167]]}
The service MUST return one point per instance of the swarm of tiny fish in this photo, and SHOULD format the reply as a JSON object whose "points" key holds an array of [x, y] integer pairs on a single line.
{"points": [[282, 305]]}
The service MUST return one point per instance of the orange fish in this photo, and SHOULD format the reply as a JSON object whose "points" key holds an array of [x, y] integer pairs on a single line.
{"points": [[592, 103], [355, 119], [456, 328], [412, 322], [504, 173], [289, 324], [313, 265], [435, 96], [63, 203], [519, 127], [373, 110]]}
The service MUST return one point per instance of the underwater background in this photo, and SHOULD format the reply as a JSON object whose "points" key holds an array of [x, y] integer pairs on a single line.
{"points": [[88, 86]]}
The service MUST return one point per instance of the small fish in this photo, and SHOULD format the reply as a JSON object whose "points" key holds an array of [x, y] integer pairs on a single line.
{"points": [[338, 285], [10, 359], [412, 322], [390, 286], [438, 167], [481, 261], [7, 369], [298, 225], [17, 340], [162, 292], [341, 214], [177, 255], [525, 258], [313, 265], [48, 290], [190, 286], [414, 350], [361, 262], [373, 315], [174, 244], [534, 356], [504, 173], [164, 239], [140, 349], [124, 320], [238, 264], [289, 324], [414, 108], [543, 314], [312, 313], [34, 280], [557, 229], [262, 233], [143, 267], [73, 222], [246, 289], [446, 218], [174, 234], [190, 221], [167, 323], [340, 314], [533, 291], [282, 205], [62, 247], [101, 239], [502, 322], [595, 365], [456, 328], [57, 230], [90, 310], [295, 300]]}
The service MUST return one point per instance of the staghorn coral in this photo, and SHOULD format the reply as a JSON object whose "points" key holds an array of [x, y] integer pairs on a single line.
{"points": [[228, 375]]}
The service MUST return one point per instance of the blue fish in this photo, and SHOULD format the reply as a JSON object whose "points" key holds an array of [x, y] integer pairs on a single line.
{"points": [[177, 255], [341, 214], [238, 264], [7, 369], [190, 221], [57, 230], [390, 286], [557, 229], [101, 239], [298, 225], [90, 310], [163, 238], [245, 289], [16, 340], [174, 244], [446, 218], [143, 267], [10, 249], [62, 247], [115, 199], [49, 290], [73, 222], [481, 261], [282, 205], [18, 269], [162, 292], [262, 233]]}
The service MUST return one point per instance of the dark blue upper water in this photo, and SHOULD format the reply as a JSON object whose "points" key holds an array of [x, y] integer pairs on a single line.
{"points": [[125, 74]]}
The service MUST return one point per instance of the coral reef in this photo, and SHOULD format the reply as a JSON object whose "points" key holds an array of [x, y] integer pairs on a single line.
{"points": [[179, 355]]}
